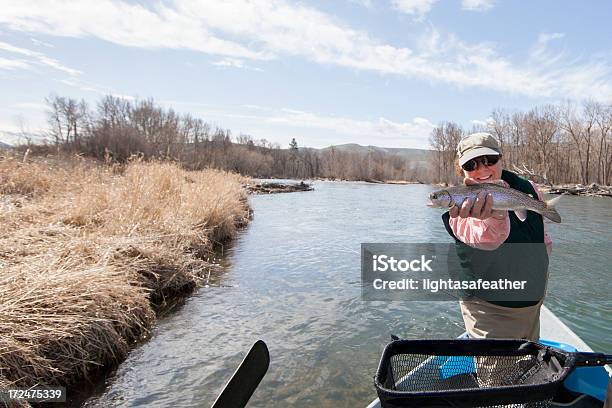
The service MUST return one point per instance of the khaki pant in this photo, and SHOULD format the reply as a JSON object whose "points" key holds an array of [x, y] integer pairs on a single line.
{"points": [[486, 320]]}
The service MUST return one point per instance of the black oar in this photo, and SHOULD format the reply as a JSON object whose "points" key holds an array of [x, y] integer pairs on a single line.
{"points": [[246, 378]]}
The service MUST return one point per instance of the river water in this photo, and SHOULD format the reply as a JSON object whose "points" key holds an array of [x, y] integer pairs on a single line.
{"points": [[293, 280]]}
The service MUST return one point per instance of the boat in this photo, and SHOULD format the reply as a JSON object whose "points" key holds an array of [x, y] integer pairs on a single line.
{"points": [[586, 387]]}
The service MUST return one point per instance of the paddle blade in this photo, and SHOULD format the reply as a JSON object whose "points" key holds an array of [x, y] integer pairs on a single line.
{"points": [[246, 378]]}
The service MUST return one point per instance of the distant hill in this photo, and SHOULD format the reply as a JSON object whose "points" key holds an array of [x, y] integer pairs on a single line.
{"points": [[11, 139], [5, 146], [414, 155]]}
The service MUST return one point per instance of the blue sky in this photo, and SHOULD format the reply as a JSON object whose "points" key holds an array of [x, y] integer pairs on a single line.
{"points": [[380, 72]]}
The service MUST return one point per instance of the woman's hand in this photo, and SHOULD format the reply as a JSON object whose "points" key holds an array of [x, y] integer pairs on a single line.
{"points": [[481, 208]]}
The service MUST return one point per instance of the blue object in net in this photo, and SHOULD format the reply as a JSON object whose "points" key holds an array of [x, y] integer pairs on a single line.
{"points": [[456, 365]]}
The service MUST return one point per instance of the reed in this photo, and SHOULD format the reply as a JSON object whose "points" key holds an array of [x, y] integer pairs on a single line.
{"points": [[89, 254]]}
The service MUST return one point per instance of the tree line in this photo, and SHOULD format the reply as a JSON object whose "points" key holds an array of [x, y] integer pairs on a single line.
{"points": [[117, 129], [556, 144]]}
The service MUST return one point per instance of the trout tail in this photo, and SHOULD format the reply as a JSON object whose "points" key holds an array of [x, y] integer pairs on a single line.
{"points": [[549, 211]]}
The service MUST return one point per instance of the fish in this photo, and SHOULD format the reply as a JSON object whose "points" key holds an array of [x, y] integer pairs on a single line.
{"points": [[504, 198]]}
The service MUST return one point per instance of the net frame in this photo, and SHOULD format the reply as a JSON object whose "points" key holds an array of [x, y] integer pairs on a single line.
{"points": [[556, 366]]}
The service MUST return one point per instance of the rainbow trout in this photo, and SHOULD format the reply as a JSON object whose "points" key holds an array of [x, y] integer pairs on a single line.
{"points": [[504, 198]]}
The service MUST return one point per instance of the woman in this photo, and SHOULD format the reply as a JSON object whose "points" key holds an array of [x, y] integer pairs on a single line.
{"points": [[480, 231]]}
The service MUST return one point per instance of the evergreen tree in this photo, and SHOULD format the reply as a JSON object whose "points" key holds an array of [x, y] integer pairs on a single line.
{"points": [[293, 145]]}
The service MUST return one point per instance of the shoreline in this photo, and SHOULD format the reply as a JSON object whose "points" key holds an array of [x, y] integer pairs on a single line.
{"points": [[282, 186], [276, 188], [591, 190], [335, 180]]}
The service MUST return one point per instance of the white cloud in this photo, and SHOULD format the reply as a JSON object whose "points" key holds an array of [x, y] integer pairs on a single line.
{"points": [[541, 52], [311, 129], [30, 106], [37, 58], [270, 29], [13, 64], [230, 62], [234, 63], [256, 107], [477, 5], [416, 8], [386, 132], [83, 86], [480, 124], [95, 88], [41, 43], [546, 37], [364, 3], [122, 23]]}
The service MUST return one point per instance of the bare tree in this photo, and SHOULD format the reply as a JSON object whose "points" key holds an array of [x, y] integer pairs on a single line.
{"points": [[603, 120], [444, 140], [561, 143], [68, 120], [580, 128], [499, 126], [542, 128], [438, 143]]}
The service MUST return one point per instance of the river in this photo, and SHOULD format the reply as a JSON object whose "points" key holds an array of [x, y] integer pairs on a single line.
{"points": [[293, 280]]}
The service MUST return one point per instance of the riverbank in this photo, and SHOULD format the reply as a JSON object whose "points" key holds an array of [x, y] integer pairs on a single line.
{"points": [[373, 181], [579, 189], [273, 187], [291, 185], [90, 254]]}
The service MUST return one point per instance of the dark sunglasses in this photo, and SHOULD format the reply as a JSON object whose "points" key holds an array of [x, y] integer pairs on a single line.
{"points": [[472, 165]]}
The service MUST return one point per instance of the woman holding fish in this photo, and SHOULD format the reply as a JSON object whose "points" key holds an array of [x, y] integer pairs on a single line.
{"points": [[497, 224]]}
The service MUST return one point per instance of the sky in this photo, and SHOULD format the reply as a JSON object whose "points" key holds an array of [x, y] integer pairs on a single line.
{"points": [[373, 72]]}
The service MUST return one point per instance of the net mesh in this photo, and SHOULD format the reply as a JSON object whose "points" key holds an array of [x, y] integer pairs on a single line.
{"points": [[420, 372], [411, 372]]}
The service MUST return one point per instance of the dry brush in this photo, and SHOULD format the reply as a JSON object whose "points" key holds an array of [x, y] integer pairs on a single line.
{"points": [[89, 253]]}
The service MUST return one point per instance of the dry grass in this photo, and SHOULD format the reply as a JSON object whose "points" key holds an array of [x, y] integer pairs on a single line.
{"points": [[87, 254]]}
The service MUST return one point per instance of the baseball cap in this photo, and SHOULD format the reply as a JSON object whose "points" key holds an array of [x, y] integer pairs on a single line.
{"points": [[476, 145]]}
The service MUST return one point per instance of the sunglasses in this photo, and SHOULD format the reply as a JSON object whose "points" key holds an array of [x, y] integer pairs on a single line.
{"points": [[472, 165]]}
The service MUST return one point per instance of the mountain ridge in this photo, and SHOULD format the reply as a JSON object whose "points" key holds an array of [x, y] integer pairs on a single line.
{"points": [[9, 140], [404, 152]]}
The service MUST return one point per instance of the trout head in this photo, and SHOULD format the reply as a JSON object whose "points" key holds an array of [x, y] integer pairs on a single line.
{"points": [[440, 198]]}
